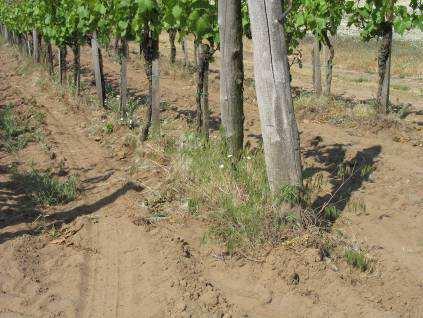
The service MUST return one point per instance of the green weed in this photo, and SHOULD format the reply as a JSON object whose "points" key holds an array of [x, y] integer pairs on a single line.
{"points": [[17, 129], [54, 233], [360, 80], [234, 197], [128, 117], [109, 128], [363, 111], [331, 213], [45, 189], [193, 206], [400, 87], [357, 207], [357, 259], [366, 171], [169, 146], [13, 131]]}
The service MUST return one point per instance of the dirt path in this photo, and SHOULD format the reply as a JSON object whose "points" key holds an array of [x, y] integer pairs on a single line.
{"points": [[116, 265], [114, 268]]}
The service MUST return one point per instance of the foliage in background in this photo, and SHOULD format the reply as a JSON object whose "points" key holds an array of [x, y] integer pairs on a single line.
{"points": [[373, 16], [320, 17], [196, 17]]}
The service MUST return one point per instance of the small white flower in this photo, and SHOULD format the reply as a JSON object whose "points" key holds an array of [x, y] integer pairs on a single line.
{"points": [[230, 156], [221, 166], [248, 158]]}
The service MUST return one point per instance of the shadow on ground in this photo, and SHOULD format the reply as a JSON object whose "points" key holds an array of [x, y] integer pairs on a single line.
{"points": [[345, 176], [17, 208]]}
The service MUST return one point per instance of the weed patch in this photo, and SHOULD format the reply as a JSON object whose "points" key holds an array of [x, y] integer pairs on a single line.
{"points": [[400, 87], [13, 132], [357, 259], [45, 189], [128, 118], [349, 113], [360, 80], [234, 197], [18, 128]]}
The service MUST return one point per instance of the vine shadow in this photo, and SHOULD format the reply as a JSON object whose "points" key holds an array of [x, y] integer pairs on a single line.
{"points": [[17, 207], [345, 177]]}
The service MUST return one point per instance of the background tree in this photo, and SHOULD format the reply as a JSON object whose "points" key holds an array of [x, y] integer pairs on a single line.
{"points": [[20, 24], [147, 27], [199, 18], [170, 24], [121, 16], [74, 30], [322, 18], [98, 27], [45, 20], [52, 18], [379, 19]]}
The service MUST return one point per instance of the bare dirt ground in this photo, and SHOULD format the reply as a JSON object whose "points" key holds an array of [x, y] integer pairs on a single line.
{"points": [[108, 262]]}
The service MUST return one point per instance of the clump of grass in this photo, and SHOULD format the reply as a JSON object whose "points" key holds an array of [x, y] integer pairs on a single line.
{"points": [[113, 105], [331, 213], [19, 129], [357, 206], [360, 80], [54, 233], [362, 111], [234, 197], [405, 53], [366, 170], [321, 108], [357, 259], [45, 189], [13, 131], [108, 128], [345, 113], [401, 87]]}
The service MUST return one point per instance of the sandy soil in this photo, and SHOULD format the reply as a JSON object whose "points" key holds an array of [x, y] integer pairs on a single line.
{"points": [[109, 263]]}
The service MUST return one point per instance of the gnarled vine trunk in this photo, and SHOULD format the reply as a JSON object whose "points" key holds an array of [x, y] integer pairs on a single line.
{"points": [[6, 34], [150, 48], [49, 57], [97, 58], [279, 127], [62, 64], [195, 54], [172, 37], [29, 48], [76, 49], [123, 89], [384, 70], [232, 75], [203, 89], [185, 50], [36, 40], [330, 55], [317, 71]]}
